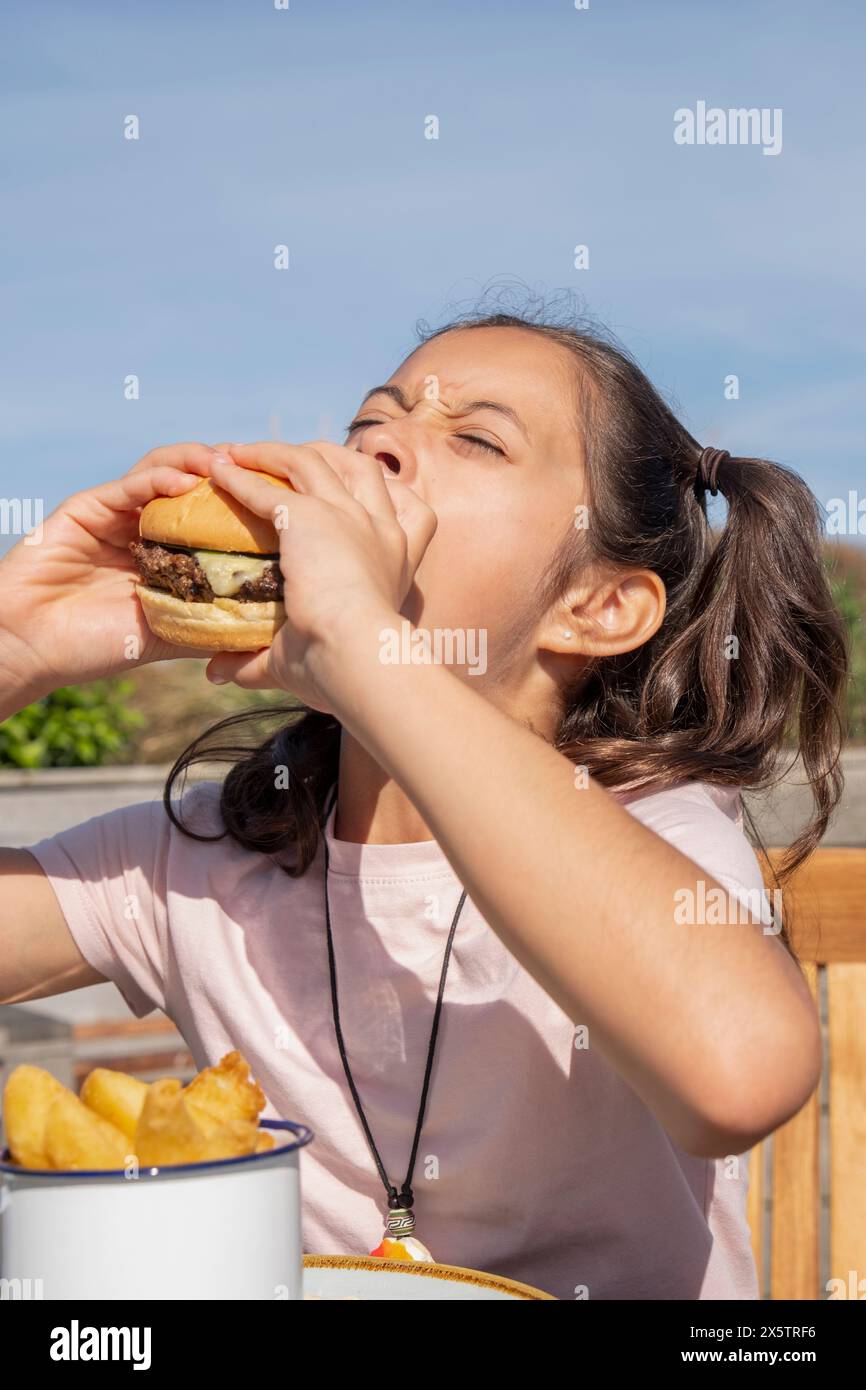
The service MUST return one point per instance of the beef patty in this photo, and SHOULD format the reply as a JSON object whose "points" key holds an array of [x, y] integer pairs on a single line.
{"points": [[179, 572]]}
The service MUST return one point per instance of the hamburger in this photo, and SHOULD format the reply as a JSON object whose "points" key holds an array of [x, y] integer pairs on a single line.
{"points": [[209, 567]]}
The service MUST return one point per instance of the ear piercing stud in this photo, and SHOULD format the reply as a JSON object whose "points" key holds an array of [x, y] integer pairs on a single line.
{"points": [[566, 633]]}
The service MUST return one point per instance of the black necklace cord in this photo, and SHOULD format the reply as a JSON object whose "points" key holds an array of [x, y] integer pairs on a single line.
{"points": [[405, 1197]]}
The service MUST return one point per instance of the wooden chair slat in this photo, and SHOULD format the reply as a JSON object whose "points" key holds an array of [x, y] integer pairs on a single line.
{"points": [[846, 985], [827, 898], [825, 907], [796, 1231], [755, 1195]]}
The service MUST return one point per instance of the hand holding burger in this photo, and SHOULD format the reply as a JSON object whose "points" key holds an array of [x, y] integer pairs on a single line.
{"points": [[68, 606], [351, 537], [132, 571]]}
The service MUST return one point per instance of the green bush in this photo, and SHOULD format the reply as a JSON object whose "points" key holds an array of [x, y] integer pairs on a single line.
{"points": [[851, 605], [75, 726]]}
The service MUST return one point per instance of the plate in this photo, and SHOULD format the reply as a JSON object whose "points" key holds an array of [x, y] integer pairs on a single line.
{"points": [[368, 1277]]}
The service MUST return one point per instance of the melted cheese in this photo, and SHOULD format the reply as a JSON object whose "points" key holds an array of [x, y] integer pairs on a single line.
{"points": [[226, 573]]}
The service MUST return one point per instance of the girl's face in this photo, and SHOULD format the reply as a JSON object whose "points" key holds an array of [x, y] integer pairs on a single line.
{"points": [[481, 424]]}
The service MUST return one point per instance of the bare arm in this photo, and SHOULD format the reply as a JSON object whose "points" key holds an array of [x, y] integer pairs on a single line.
{"points": [[38, 955], [712, 1025], [69, 614]]}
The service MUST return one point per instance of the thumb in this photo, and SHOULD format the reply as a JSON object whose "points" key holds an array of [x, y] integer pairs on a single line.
{"points": [[418, 520], [249, 670]]}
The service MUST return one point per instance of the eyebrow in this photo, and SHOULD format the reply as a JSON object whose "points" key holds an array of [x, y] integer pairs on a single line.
{"points": [[399, 396]]}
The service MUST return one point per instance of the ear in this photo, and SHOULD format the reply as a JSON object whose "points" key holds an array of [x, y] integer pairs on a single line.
{"points": [[606, 617]]}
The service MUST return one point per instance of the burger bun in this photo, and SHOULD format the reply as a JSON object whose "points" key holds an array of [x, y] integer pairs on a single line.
{"points": [[225, 625], [209, 518]]}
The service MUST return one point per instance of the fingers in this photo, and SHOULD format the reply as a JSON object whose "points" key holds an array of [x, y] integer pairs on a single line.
{"points": [[136, 489], [166, 471], [364, 477], [312, 468], [191, 456], [289, 461], [298, 464], [307, 474], [246, 669], [418, 520], [334, 473]]}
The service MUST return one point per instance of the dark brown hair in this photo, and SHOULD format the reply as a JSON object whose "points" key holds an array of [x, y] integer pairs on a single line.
{"points": [[751, 657]]}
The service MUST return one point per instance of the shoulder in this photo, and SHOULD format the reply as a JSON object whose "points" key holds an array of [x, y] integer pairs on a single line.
{"points": [[672, 804], [198, 809], [131, 836], [703, 821]]}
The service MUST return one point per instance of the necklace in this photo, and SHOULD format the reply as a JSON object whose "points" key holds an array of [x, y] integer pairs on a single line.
{"points": [[400, 1221]]}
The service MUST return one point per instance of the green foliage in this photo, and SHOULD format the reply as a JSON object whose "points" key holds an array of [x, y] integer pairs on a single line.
{"points": [[75, 726], [851, 605]]}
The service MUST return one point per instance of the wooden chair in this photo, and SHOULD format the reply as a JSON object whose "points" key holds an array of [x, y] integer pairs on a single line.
{"points": [[807, 1185]]}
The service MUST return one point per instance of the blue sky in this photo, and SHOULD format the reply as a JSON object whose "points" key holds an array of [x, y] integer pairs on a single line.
{"points": [[262, 126]]}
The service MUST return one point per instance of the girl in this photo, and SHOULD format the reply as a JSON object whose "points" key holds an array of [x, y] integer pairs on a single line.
{"points": [[455, 915]]}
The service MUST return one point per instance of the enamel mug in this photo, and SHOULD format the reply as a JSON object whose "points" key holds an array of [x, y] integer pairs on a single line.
{"points": [[226, 1229]]}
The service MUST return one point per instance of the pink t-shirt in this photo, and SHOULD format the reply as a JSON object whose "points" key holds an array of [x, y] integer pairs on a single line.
{"points": [[536, 1160]]}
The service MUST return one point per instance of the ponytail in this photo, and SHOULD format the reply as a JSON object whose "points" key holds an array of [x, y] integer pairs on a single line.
{"points": [[274, 796], [764, 642]]}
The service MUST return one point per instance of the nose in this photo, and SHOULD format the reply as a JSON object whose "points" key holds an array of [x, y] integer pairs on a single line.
{"points": [[390, 445]]}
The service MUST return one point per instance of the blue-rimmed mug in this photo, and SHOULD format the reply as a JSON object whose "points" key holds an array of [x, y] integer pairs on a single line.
{"points": [[226, 1228]]}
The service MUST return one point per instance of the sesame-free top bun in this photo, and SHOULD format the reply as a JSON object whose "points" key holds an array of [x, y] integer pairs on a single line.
{"points": [[226, 625], [208, 518]]}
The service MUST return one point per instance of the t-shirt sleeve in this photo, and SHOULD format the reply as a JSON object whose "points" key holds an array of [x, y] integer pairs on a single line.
{"points": [[705, 823], [108, 874]]}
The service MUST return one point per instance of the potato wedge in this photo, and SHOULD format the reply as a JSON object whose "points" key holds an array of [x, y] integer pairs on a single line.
{"points": [[227, 1091], [76, 1137], [115, 1096], [117, 1116], [27, 1097], [171, 1130]]}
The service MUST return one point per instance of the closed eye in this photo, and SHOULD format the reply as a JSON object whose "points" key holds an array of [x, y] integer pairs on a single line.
{"points": [[470, 438]]}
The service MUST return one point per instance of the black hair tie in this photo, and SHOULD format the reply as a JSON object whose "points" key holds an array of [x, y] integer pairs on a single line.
{"points": [[708, 467]]}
